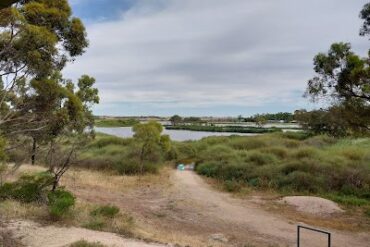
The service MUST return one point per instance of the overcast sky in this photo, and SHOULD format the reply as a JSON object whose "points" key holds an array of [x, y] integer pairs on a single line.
{"points": [[209, 57]]}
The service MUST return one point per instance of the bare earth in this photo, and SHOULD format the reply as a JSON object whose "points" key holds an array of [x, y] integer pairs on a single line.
{"points": [[313, 205], [183, 209], [34, 235]]}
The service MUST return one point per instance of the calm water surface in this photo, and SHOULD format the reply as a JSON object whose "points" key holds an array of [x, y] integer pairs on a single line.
{"points": [[176, 135]]}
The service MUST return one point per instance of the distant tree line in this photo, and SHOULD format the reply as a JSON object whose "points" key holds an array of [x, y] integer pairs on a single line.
{"points": [[280, 116], [176, 120]]}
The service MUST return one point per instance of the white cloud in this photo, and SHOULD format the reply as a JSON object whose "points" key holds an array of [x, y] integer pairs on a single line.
{"points": [[191, 53]]}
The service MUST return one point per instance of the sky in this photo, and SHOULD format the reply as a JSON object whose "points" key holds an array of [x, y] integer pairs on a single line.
{"points": [[209, 57]]}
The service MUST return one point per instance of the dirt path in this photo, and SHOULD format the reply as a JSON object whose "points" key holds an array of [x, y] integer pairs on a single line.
{"points": [[182, 208], [260, 225], [34, 235]]}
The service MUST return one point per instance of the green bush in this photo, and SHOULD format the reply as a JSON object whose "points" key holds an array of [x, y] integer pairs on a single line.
{"points": [[28, 188], [305, 152], [232, 186], [260, 159], [108, 211], [96, 224], [301, 181], [348, 200], [353, 154], [320, 141], [247, 143], [208, 169], [60, 202], [279, 152], [295, 135], [106, 140], [83, 243]]}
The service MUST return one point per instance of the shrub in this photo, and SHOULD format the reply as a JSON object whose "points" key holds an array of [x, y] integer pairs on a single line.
{"points": [[348, 200], [29, 188], [208, 169], [108, 211], [218, 153], [295, 135], [109, 140], [300, 181], [291, 143], [279, 152], [83, 243], [247, 143], [232, 186], [60, 202], [320, 141], [96, 224], [260, 159], [353, 154], [306, 152]]}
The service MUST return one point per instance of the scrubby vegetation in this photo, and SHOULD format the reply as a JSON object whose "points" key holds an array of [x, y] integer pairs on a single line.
{"points": [[101, 122], [60, 202], [36, 188], [145, 153], [291, 162]]}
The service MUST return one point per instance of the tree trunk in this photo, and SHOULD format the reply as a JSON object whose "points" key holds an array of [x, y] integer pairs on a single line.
{"points": [[34, 147], [55, 183]]}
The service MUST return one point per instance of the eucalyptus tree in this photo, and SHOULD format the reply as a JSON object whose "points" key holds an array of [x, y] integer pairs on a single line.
{"points": [[343, 77], [37, 39]]}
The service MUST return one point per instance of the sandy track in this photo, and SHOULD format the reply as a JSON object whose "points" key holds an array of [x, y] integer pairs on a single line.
{"points": [[35, 235], [183, 209], [261, 225]]}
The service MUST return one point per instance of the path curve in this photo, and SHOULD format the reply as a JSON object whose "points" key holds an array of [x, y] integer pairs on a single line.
{"points": [[261, 224]]}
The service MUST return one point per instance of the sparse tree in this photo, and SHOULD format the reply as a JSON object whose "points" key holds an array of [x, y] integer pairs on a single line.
{"points": [[260, 121], [149, 137], [175, 120]]}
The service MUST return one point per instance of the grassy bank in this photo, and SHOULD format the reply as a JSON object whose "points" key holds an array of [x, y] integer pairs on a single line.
{"points": [[115, 122], [232, 129], [289, 163], [108, 152]]}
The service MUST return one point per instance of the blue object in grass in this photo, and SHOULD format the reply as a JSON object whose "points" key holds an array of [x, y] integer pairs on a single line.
{"points": [[181, 167]]}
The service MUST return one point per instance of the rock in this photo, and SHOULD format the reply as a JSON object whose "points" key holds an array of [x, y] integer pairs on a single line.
{"points": [[219, 237]]}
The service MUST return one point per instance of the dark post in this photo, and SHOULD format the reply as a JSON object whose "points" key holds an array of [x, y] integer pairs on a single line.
{"points": [[312, 229]]}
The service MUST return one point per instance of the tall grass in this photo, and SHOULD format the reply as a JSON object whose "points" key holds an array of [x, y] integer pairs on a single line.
{"points": [[123, 155], [292, 162]]}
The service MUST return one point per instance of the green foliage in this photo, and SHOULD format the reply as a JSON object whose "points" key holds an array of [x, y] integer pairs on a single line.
{"points": [[176, 119], [343, 76], [318, 164], [96, 224], [247, 143], [365, 15], [29, 188], [101, 122], [123, 155], [260, 159], [232, 186], [83, 243], [60, 202], [109, 211]]}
